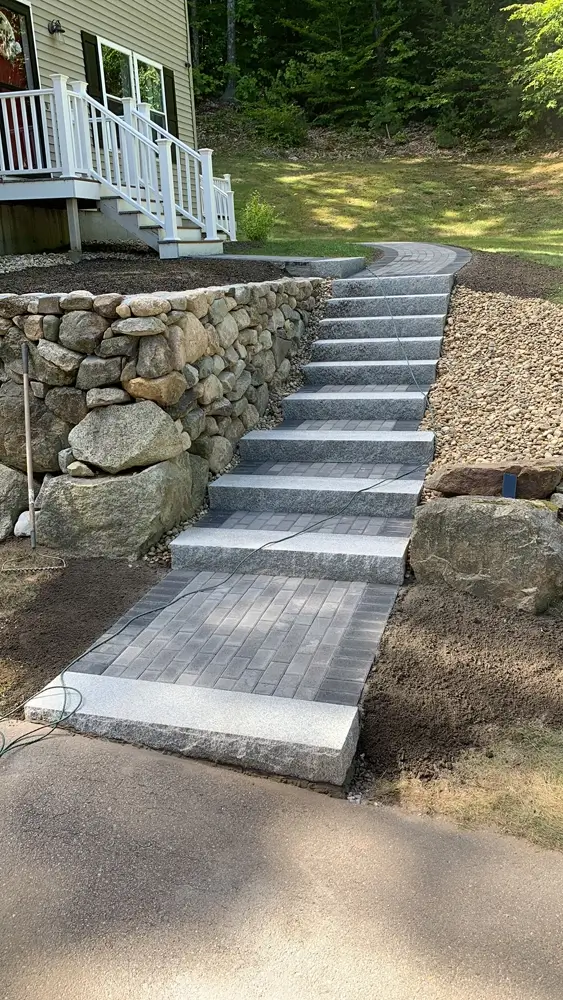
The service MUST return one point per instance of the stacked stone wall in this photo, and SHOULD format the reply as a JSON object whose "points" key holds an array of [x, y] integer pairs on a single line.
{"points": [[137, 399]]}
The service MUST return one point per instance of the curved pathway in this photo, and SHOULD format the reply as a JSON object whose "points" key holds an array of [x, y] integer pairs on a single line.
{"points": [[417, 258]]}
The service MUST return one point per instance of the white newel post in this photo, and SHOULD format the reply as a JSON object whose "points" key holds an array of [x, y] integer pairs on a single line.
{"points": [[64, 125], [231, 201], [132, 172], [144, 110], [209, 207], [83, 124], [167, 188]]}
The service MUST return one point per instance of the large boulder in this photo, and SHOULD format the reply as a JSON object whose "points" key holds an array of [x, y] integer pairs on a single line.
{"points": [[509, 551], [217, 451], [13, 499], [67, 403], [82, 330], [165, 390], [536, 480], [49, 434], [116, 516], [53, 364], [115, 438]]}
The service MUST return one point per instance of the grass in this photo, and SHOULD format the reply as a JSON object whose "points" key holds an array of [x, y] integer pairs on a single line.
{"points": [[514, 787], [306, 247], [511, 206]]}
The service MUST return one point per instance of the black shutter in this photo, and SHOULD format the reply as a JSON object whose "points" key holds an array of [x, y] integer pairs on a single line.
{"points": [[170, 101], [92, 66]]}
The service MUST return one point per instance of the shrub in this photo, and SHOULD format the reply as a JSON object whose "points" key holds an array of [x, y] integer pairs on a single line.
{"points": [[258, 218], [281, 125], [444, 138]]}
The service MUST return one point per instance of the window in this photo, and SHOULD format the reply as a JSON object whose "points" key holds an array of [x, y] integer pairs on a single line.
{"points": [[127, 74]]}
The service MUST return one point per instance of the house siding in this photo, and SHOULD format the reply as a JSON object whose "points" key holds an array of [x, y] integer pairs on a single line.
{"points": [[157, 31]]}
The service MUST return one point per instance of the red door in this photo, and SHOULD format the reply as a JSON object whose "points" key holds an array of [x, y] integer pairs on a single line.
{"points": [[18, 71]]}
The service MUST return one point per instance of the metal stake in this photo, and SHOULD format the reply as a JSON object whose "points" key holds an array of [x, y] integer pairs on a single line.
{"points": [[28, 453]]}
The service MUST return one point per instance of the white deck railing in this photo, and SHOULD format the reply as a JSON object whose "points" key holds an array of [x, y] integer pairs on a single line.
{"points": [[63, 132]]}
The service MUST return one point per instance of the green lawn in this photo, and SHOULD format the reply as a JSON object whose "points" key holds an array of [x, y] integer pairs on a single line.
{"points": [[512, 206]]}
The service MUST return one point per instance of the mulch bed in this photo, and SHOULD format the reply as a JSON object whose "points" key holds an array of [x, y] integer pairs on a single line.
{"points": [[49, 618], [139, 274], [453, 671], [501, 272]]}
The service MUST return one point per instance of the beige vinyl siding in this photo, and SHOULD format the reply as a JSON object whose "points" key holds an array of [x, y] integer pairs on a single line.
{"points": [[157, 30]]}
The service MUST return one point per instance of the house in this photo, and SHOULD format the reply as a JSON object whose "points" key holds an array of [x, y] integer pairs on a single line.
{"points": [[97, 130]]}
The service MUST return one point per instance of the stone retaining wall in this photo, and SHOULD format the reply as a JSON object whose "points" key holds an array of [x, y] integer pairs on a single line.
{"points": [[136, 399]]}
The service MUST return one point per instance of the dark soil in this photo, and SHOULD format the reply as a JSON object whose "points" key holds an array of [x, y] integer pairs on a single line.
{"points": [[140, 274], [49, 618], [453, 669], [501, 272]]}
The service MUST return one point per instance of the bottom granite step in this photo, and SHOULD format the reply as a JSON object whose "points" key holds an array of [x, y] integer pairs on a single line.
{"points": [[302, 739]]}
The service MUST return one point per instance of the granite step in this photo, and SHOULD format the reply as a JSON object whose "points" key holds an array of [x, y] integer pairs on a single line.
{"points": [[389, 305], [379, 349], [416, 372], [306, 494], [316, 554], [355, 327], [294, 445], [310, 740], [423, 284], [354, 404]]}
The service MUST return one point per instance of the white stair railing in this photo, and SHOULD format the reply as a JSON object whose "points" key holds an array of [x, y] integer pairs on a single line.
{"points": [[65, 132]]}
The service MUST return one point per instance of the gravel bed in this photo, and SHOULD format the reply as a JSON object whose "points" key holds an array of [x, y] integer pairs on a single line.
{"points": [[499, 389], [501, 272], [127, 273]]}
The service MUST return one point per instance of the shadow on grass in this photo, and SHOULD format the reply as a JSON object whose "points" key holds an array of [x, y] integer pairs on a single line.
{"points": [[513, 207]]}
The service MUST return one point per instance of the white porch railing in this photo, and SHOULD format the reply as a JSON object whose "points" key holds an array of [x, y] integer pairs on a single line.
{"points": [[64, 132]]}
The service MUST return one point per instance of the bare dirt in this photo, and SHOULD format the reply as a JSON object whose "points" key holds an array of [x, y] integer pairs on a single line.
{"points": [[454, 671], [502, 272], [47, 618], [131, 275]]}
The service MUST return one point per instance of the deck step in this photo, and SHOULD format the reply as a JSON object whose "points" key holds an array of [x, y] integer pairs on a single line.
{"points": [[351, 327], [379, 349], [389, 305], [354, 405], [370, 372], [365, 558], [422, 284], [305, 494], [293, 445]]}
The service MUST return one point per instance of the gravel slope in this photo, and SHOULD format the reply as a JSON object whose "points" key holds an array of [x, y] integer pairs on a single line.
{"points": [[499, 392]]}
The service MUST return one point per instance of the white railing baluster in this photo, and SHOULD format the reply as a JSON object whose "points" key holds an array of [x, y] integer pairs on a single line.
{"points": [[30, 159], [39, 140], [15, 119], [51, 135], [8, 134], [96, 141]]}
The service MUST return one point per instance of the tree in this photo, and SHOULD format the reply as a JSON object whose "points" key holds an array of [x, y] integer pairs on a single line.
{"points": [[541, 74], [229, 92]]}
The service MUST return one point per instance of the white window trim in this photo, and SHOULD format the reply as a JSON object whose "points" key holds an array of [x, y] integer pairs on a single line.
{"points": [[134, 58]]}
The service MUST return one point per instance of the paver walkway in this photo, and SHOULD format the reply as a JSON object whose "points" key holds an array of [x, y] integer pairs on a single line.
{"points": [[283, 590], [131, 875]]}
